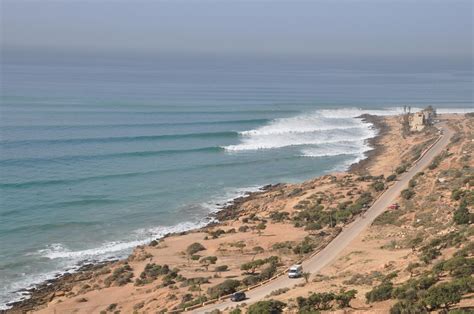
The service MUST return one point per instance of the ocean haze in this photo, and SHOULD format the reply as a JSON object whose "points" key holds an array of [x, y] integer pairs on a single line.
{"points": [[284, 28], [123, 121]]}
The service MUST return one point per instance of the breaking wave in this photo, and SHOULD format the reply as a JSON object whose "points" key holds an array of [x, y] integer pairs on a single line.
{"points": [[319, 133]]}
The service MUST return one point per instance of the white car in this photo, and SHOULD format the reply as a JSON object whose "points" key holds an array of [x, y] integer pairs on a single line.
{"points": [[295, 271]]}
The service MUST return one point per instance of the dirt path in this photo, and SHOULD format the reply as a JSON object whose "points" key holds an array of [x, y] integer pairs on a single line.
{"points": [[333, 249]]}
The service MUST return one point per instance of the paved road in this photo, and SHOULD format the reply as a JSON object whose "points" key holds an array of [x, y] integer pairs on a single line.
{"points": [[333, 249]]}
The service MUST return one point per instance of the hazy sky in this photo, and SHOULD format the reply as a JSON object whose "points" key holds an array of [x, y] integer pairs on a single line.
{"points": [[317, 28]]}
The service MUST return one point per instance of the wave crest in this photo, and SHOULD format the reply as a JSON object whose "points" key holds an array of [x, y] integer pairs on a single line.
{"points": [[322, 127]]}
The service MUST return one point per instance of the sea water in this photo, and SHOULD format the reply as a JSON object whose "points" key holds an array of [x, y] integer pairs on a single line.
{"points": [[101, 154]]}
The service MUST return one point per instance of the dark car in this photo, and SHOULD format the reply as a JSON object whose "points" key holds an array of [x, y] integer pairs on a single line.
{"points": [[238, 296]]}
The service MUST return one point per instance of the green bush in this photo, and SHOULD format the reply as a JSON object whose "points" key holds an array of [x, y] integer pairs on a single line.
{"points": [[120, 276], [407, 194], [387, 218], [316, 301], [401, 169], [456, 194], [344, 298], [208, 260], [221, 268], [151, 273], [380, 293], [443, 295], [194, 248], [216, 233], [189, 301], [462, 216], [458, 266], [279, 216], [306, 246], [391, 177], [378, 186], [266, 307], [227, 287], [407, 307], [282, 245], [243, 228]]}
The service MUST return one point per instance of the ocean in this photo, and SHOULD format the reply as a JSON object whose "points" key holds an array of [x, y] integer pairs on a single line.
{"points": [[100, 154]]}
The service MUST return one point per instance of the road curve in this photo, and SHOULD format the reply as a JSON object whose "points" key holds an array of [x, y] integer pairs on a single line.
{"points": [[350, 232]]}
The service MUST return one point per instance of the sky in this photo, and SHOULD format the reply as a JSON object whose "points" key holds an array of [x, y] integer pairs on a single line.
{"points": [[291, 28]]}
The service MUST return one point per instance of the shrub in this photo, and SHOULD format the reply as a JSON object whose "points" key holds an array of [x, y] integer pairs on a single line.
{"points": [[266, 307], [430, 254], [279, 291], [401, 169], [221, 268], [378, 186], [112, 307], [253, 265], [380, 293], [391, 177], [387, 218], [261, 226], [407, 194], [443, 295], [279, 216], [282, 245], [462, 216], [456, 194], [120, 276], [243, 228], [216, 233], [407, 307], [436, 161], [208, 260], [188, 300], [195, 257], [151, 273], [304, 247], [458, 266], [344, 298], [412, 183], [227, 287], [194, 248], [414, 287], [316, 301]]}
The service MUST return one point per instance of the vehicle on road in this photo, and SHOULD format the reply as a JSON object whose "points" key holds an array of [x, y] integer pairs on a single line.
{"points": [[394, 206], [238, 296], [295, 271]]}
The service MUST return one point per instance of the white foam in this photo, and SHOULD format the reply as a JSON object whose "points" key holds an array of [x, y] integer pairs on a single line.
{"points": [[315, 128], [320, 127], [110, 249]]}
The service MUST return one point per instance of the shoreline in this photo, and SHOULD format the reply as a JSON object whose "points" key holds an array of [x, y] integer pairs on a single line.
{"points": [[377, 148], [38, 295]]}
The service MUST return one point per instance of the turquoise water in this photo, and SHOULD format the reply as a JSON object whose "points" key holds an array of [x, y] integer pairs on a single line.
{"points": [[100, 155]]}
